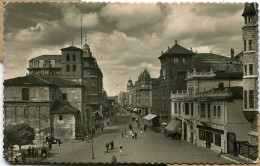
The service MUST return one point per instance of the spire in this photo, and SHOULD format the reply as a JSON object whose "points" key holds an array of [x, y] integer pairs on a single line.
{"points": [[72, 42], [86, 39]]}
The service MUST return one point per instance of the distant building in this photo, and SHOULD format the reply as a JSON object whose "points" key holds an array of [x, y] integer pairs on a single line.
{"points": [[112, 100], [250, 63], [122, 98]]}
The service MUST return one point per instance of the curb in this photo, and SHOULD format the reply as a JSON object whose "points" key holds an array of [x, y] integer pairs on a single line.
{"points": [[230, 159]]}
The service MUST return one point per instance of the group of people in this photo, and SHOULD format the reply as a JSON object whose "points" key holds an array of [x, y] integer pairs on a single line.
{"points": [[32, 152], [109, 146]]}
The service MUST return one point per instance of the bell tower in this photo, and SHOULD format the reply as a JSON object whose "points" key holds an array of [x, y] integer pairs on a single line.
{"points": [[250, 68]]}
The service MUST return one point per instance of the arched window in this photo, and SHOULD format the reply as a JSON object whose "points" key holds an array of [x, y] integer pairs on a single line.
{"points": [[68, 57], [215, 114], [68, 67], [74, 57], [219, 111], [25, 94], [74, 68]]}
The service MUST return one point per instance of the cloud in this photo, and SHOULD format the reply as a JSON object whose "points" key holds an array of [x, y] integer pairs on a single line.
{"points": [[128, 16], [125, 38]]}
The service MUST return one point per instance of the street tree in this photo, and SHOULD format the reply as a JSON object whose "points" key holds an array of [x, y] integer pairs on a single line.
{"points": [[19, 134]]}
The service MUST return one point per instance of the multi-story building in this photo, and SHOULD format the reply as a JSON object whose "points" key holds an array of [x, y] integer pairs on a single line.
{"points": [[130, 93], [209, 112], [250, 63], [74, 66], [122, 98], [143, 93]]}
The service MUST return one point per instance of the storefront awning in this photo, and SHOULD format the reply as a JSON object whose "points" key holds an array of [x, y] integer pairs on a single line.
{"points": [[174, 125], [149, 117]]}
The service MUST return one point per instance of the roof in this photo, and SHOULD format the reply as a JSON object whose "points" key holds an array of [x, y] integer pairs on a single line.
{"points": [[71, 48], [209, 56], [249, 9], [26, 80], [47, 57], [177, 49], [149, 117], [239, 55], [61, 82], [232, 75], [63, 107], [41, 81]]}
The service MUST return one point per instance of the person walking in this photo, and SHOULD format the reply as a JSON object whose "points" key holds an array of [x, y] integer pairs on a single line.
{"points": [[107, 146], [59, 141], [33, 151], [135, 135], [122, 134], [127, 136], [50, 146], [114, 161], [121, 150], [29, 151], [36, 153], [112, 144]]}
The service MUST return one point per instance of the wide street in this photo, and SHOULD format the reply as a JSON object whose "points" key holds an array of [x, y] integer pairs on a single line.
{"points": [[149, 147]]}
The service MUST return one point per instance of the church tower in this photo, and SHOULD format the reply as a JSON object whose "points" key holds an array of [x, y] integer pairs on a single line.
{"points": [[71, 63], [250, 65]]}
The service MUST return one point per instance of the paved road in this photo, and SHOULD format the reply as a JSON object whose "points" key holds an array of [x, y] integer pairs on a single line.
{"points": [[150, 147]]}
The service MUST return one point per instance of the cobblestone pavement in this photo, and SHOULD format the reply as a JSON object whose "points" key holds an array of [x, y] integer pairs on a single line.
{"points": [[149, 147]]}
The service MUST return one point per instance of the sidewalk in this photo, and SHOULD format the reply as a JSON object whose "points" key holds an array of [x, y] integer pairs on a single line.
{"points": [[235, 159]]}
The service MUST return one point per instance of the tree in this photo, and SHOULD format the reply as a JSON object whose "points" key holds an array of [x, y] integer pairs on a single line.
{"points": [[19, 134]]}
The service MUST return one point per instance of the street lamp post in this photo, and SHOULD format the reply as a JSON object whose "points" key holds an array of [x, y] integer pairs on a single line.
{"points": [[92, 136]]}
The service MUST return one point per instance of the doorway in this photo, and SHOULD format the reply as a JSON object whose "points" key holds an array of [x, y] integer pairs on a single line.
{"points": [[209, 139]]}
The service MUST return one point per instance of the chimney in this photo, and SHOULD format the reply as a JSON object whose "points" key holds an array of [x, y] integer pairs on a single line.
{"points": [[232, 53], [176, 42], [191, 48]]}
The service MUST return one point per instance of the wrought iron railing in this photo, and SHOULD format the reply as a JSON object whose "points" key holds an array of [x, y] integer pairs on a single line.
{"points": [[247, 150]]}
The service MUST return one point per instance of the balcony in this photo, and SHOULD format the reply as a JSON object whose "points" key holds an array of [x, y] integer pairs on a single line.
{"points": [[203, 74]]}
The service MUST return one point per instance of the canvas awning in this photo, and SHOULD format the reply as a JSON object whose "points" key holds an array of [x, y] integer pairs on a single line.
{"points": [[174, 125], [149, 117]]}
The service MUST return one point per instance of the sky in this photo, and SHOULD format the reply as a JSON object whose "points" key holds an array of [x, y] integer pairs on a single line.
{"points": [[125, 38]]}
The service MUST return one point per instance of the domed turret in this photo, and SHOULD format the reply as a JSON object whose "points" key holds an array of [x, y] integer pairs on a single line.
{"points": [[86, 49], [129, 84], [144, 76]]}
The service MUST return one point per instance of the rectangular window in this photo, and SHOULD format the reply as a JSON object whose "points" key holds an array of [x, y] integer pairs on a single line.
{"points": [[215, 110], [25, 94], [203, 111], [179, 108], [46, 72], [175, 108], [245, 70], [250, 47], [251, 99], [175, 60], [201, 134], [250, 69], [219, 111], [187, 110], [184, 60], [191, 111], [208, 110], [244, 45], [25, 112], [64, 96], [245, 99], [218, 139], [60, 117]]}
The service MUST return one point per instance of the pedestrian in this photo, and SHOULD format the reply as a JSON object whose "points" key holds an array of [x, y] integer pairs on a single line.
{"points": [[114, 161], [33, 151], [59, 141], [130, 132], [126, 136], [50, 146], [107, 146], [29, 151], [108, 123], [135, 135], [141, 131], [112, 144], [122, 134], [138, 125], [121, 150], [36, 153], [23, 157]]}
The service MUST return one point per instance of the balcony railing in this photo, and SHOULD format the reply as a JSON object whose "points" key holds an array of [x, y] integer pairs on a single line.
{"points": [[225, 93], [195, 74]]}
